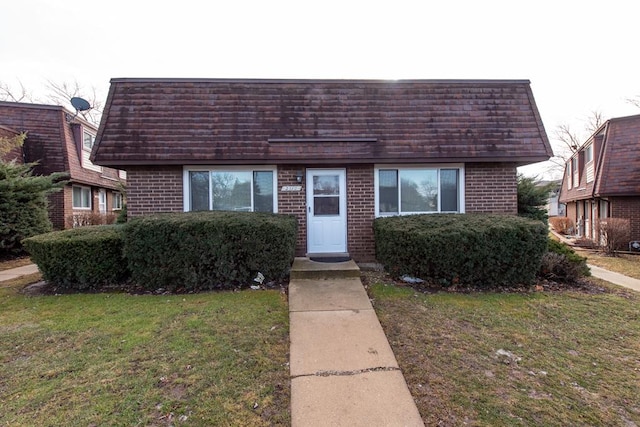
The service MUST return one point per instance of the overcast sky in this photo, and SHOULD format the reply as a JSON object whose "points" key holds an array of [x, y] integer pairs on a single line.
{"points": [[580, 56]]}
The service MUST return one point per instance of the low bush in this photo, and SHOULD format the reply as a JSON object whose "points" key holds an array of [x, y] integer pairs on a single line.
{"points": [[562, 264], [471, 249], [208, 250], [90, 218], [616, 233], [562, 224], [84, 258]]}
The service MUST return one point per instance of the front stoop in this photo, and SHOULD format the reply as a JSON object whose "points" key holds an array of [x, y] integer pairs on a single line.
{"points": [[304, 268]]}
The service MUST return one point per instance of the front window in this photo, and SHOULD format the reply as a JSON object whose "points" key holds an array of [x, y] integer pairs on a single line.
{"points": [[88, 139], [117, 201], [81, 197], [246, 190], [413, 190]]}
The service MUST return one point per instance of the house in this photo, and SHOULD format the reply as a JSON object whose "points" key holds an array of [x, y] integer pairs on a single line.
{"points": [[602, 179], [61, 142], [553, 205], [335, 153]]}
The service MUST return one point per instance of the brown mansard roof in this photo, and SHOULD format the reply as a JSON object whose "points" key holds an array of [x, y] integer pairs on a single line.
{"points": [[206, 121], [616, 162], [52, 143]]}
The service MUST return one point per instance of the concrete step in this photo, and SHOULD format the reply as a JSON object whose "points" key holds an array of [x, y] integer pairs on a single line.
{"points": [[304, 268]]}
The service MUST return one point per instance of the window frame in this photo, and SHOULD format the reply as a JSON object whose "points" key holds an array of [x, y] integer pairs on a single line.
{"points": [[93, 140], [116, 195], [89, 199], [248, 168], [436, 166]]}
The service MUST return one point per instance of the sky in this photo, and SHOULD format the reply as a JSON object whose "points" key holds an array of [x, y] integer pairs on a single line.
{"points": [[580, 56]]}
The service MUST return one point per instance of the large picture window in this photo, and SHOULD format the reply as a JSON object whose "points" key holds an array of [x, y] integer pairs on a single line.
{"points": [[412, 190], [81, 197], [245, 190]]}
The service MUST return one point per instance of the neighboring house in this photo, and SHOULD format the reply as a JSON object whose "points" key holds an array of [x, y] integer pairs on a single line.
{"points": [[62, 142], [602, 179], [335, 153], [553, 206]]}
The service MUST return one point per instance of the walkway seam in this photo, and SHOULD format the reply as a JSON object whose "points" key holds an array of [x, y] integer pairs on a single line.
{"points": [[348, 373]]}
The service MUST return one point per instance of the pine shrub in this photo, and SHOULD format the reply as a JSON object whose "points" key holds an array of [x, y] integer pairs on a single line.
{"points": [[209, 250], [470, 249], [86, 258]]}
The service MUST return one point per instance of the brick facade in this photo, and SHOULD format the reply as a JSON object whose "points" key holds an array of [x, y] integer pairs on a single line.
{"points": [[628, 208], [491, 187], [154, 189], [360, 213], [294, 202], [488, 188]]}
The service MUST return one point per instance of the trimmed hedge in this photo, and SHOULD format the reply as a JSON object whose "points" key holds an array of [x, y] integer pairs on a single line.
{"points": [[208, 250], [81, 258], [469, 249]]}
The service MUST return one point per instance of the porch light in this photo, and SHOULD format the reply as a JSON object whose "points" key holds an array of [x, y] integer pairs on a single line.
{"points": [[299, 176]]}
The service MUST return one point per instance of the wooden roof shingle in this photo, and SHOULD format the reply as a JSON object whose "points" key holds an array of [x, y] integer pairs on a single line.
{"points": [[208, 121]]}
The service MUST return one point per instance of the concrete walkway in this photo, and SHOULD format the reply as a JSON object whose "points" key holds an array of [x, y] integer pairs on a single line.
{"points": [[14, 273], [343, 371], [615, 278]]}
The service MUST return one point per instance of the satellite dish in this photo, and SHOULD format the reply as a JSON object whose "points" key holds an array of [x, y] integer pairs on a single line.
{"points": [[80, 104]]}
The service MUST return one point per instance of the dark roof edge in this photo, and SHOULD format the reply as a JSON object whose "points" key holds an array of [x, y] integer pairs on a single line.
{"points": [[51, 107], [277, 81], [121, 164]]}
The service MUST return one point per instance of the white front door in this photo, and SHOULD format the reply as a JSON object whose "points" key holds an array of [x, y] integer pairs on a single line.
{"points": [[102, 201], [326, 211]]}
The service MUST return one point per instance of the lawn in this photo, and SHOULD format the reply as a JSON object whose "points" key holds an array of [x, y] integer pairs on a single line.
{"points": [[488, 359], [118, 359], [626, 264]]}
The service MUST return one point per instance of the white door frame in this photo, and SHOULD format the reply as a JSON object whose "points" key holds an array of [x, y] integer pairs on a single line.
{"points": [[326, 233], [102, 200]]}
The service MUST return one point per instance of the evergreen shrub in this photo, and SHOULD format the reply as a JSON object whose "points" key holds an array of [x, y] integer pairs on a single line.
{"points": [[208, 250], [478, 250], [80, 259]]}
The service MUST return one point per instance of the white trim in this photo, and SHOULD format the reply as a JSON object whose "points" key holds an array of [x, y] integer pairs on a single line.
{"points": [[83, 208], [186, 190], [336, 247], [437, 166]]}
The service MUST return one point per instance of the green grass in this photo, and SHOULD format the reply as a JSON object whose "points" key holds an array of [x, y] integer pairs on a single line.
{"points": [[579, 356], [117, 359], [628, 265]]}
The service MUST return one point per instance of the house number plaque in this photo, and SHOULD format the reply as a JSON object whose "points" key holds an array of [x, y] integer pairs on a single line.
{"points": [[290, 188]]}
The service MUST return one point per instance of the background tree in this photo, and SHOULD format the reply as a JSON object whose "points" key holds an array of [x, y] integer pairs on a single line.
{"points": [[9, 143], [23, 199], [568, 141], [532, 198], [57, 93]]}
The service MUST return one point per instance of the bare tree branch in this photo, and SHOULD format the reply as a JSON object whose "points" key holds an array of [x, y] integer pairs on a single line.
{"points": [[635, 101], [9, 93], [61, 94], [566, 141]]}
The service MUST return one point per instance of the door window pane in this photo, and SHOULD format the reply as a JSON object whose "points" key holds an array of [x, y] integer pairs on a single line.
{"points": [[449, 190], [263, 191], [326, 185], [324, 206], [199, 190], [388, 191], [231, 191], [419, 190]]}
